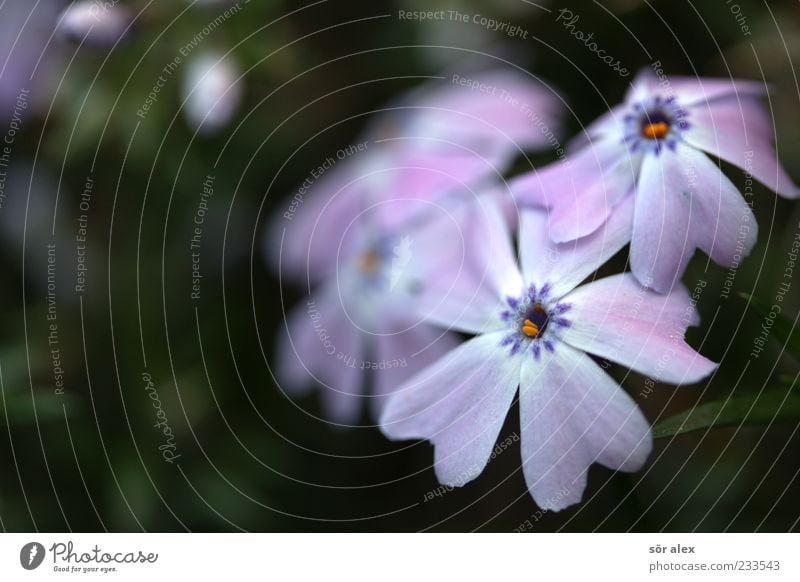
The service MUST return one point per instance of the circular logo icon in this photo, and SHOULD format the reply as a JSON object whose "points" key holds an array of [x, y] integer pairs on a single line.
{"points": [[31, 555]]}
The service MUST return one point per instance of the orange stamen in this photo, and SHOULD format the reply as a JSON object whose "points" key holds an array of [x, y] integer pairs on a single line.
{"points": [[369, 262], [657, 130], [529, 328]]}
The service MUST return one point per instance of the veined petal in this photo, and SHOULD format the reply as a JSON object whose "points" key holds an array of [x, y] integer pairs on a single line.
{"points": [[741, 132], [611, 123], [662, 242], [564, 182], [470, 268], [565, 265], [689, 90], [576, 217], [401, 355], [459, 404], [618, 319], [725, 227], [572, 414]]}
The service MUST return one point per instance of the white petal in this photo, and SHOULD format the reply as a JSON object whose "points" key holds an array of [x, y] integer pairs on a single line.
{"points": [[459, 404], [572, 414], [565, 265], [618, 319]]}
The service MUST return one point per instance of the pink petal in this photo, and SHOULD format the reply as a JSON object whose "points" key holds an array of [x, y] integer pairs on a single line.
{"points": [[618, 319], [609, 123], [662, 242], [320, 345], [402, 354], [690, 90], [581, 215], [562, 186], [471, 268], [304, 236], [740, 132], [725, 228], [459, 404], [572, 414], [565, 265], [512, 110], [423, 174]]}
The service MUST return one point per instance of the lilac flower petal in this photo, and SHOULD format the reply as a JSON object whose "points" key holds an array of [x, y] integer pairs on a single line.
{"points": [[320, 344], [618, 319], [390, 190], [459, 404], [575, 217], [662, 242], [610, 122], [561, 185], [514, 111], [400, 355], [689, 90], [431, 171], [572, 414], [472, 268], [304, 239], [742, 133], [725, 228], [565, 265]]}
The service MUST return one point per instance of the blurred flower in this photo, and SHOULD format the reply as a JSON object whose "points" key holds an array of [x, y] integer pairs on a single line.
{"points": [[26, 59], [362, 321], [655, 145], [100, 22], [212, 92], [535, 331], [442, 140]]}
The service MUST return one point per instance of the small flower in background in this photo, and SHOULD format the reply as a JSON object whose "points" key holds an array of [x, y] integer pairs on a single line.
{"points": [[97, 22], [212, 92], [653, 147], [442, 140], [535, 331]]}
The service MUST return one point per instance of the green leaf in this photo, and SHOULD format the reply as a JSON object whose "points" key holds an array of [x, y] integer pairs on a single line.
{"points": [[782, 329], [776, 405]]}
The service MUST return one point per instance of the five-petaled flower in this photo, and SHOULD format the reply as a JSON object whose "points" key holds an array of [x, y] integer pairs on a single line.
{"points": [[535, 330], [653, 147]]}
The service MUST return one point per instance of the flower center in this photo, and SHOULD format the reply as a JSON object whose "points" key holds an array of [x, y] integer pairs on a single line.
{"points": [[369, 262], [656, 125], [535, 321], [530, 316], [657, 130]]}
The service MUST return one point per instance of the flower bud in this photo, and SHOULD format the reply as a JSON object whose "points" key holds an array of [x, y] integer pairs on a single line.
{"points": [[211, 92], [99, 22]]}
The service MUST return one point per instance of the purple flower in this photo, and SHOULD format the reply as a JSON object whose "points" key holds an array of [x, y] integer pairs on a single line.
{"points": [[95, 21], [535, 331], [443, 140], [653, 147], [28, 61]]}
